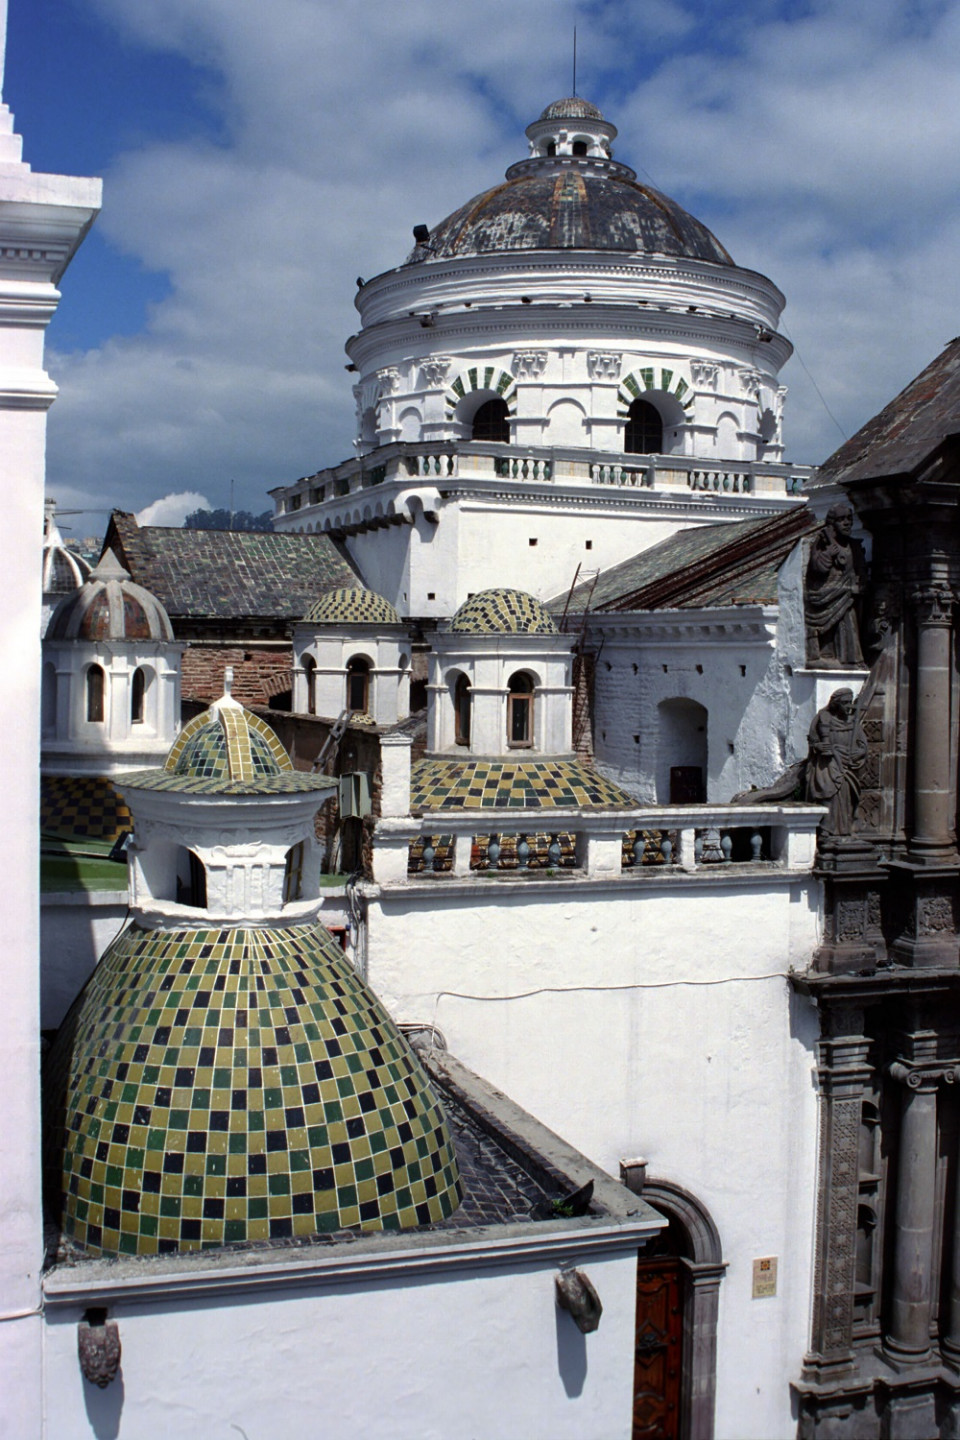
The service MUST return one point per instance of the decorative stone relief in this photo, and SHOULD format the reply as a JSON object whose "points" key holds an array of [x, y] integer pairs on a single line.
{"points": [[841, 1221], [705, 373], [98, 1346], [529, 364], [388, 381], [435, 370], [849, 920], [751, 380], [935, 914], [603, 365]]}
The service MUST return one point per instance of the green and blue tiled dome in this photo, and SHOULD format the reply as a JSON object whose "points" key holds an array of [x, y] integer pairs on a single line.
{"points": [[503, 612], [226, 750], [213, 1086], [351, 606]]}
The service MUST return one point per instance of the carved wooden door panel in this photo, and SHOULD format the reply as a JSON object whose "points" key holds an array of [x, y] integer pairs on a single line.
{"points": [[658, 1354]]}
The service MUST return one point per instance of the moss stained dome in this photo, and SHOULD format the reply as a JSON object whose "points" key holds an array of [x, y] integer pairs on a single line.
{"points": [[351, 606], [503, 612]]}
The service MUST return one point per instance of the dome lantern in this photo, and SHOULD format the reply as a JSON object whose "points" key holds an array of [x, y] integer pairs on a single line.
{"points": [[574, 128]]}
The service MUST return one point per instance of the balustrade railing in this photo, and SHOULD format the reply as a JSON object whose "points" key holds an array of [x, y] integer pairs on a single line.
{"points": [[621, 475], [429, 466], [733, 482], [522, 467], [600, 845]]}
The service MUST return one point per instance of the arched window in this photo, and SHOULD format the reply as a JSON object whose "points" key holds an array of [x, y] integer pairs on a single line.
{"points": [[138, 689], [310, 675], [95, 687], [191, 879], [461, 706], [644, 433], [358, 684], [293, 873], [551, 148], [491, 422], [48, 699], [520, 709], [579, 147]]}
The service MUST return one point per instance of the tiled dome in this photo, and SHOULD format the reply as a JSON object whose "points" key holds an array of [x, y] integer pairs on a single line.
{"points": [[110, 607], [227, 742], [352, 607], [573, 108], [503, 612], [216, 1086]]}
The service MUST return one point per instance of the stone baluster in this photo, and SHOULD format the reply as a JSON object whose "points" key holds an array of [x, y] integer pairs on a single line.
{"points": [[908, 1333]]}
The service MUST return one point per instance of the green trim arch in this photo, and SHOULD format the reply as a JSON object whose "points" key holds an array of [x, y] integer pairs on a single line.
{"points": [[652, 377], [481, 377]]}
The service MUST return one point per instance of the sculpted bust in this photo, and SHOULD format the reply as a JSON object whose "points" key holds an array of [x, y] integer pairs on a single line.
{"points": [[836, 574]]}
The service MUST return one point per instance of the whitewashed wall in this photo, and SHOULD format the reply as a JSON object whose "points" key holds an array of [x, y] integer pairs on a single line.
{"points": [[476, 1351], [652, 1019]]}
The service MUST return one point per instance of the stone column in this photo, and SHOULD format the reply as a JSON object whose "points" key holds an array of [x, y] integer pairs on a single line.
{"points": [[933, 834], [908, 1336], [951, 1328]]}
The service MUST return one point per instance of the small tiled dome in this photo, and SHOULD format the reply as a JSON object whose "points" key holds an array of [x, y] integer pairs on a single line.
{"points": [[223, 1086], [229, 743], [110, 607], [573, 108], [503, 612], [352, 607]]}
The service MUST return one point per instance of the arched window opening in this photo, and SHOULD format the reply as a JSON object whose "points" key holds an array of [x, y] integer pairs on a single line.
{"points": [[462, 707], [293, 873], [191, 880], [520, 710], [95, 689], [551, 148], [138, 690], [358, 684], [48, 699], [491, 422], [579, 147], [644, 433], [310, 675]]}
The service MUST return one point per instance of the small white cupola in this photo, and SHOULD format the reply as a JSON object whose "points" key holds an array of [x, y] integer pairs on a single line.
{"points": [[573, 128], [501, 680], [226, 827], [111, 677], [351, 651]]}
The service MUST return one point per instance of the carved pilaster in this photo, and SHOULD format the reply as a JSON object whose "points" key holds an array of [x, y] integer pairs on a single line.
{"points": [[843, 1074]]}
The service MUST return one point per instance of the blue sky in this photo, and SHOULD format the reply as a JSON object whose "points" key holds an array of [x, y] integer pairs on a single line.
{"points": [[257, 158]]}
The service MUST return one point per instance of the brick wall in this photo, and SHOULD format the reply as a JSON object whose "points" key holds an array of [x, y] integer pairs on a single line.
{"points": [[258, 674]]}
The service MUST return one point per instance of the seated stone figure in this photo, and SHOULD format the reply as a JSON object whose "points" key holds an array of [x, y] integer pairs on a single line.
{"points": [[836, 574], [835, 760]]}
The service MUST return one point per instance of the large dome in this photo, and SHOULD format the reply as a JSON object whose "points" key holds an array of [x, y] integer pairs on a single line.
{"points": [[558, 207]]}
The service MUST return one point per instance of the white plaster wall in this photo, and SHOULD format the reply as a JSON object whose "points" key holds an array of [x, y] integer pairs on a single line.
{"points": [[75, 929], [649, 1020], [481, 1353]]}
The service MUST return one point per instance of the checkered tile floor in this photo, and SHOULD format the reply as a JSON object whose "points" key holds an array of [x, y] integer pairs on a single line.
{"points": [[531, 784], [212, 1086]]}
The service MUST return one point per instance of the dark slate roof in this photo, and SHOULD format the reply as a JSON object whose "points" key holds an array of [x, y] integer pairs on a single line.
{"points": [[229, 574], [579, 206], [908, 430], [731, 563]]}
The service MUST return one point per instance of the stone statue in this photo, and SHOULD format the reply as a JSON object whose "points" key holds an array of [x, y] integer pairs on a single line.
{"points": [[836, 574], [837, 754]]}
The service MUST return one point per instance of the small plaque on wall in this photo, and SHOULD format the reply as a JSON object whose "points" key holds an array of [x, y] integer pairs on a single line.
{"points": [[765, 1278]]}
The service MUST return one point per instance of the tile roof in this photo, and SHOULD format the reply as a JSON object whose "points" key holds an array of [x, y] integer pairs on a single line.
{"points": [[229, 574], [522, 784], [905, 432], [730, 563]]}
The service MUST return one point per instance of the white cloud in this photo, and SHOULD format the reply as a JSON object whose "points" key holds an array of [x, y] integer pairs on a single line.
{"points": [[819, 146], [172, 509]]}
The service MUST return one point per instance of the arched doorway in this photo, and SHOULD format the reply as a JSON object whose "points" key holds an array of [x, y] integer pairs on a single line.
{"points": [[678, 1291], [681, 752]]}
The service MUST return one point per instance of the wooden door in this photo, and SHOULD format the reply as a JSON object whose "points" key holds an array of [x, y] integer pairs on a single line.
{"points": [[658, 1350]]}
